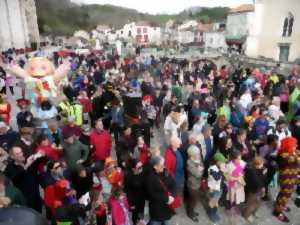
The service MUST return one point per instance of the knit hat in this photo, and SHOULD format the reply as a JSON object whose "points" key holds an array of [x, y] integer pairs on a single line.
{"points": [[22, 102], [193, 150], [219, 157]]}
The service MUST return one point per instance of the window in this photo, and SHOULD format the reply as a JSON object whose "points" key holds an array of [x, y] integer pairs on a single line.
{"points": [[139, 38], [139, 30], [146, 39], [145, 30], [288, 25], [285, 26], [291, 23]]}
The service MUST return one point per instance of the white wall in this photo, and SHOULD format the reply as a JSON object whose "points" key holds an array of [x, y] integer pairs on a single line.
{"points": [[271, 26], [215, 40], [14, 29], [5, 34], [238, 24], [255, 29], [155, 35], [185, 37], [16, 20]]}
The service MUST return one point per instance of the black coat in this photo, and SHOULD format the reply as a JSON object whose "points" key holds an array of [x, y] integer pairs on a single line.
{"points": [[134, 186], [26, 181], [255, 180], [125, 146], [82, 185], [158, 196]]}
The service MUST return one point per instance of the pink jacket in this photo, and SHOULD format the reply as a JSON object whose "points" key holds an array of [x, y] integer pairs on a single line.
{"points": [[117, 212]]}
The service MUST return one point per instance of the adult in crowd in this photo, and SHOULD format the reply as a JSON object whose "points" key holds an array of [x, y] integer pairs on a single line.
{"points": [[158, 184], [101, 142]]}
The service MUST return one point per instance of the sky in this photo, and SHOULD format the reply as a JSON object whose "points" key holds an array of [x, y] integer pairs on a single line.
{"points": [[165, 6]]}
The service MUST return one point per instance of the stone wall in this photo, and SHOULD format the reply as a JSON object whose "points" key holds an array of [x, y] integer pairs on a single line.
{"points": [[270, 64]]}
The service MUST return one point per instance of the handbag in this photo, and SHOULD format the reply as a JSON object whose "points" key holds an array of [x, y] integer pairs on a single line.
{"points": [[177, 200], [203, 185]]}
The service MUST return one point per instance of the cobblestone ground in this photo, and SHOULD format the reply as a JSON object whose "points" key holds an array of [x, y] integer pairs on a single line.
{"points": [[264, 213]]}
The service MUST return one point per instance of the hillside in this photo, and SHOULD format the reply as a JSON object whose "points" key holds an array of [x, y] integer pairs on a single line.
{"points": [[62, 17]]}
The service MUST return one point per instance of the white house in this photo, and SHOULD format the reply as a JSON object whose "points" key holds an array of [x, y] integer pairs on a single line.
{"points": [[240, 21], [215, 40], [142, 33], [188, 24], [186, 36], [147, 33], [101, 33], [18, 24], [276, 30], [128, 31]]}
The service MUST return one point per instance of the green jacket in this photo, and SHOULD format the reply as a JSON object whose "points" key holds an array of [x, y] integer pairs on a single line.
{"points": [[292, 99], [15, 195], [74, 152], [75, 110]]}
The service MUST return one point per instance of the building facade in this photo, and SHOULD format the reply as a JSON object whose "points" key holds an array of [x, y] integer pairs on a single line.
{"points": [[18, 24], [240, 21], [276, 30]]}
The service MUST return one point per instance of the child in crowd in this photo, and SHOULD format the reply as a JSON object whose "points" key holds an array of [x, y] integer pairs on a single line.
{"points": [[215, 185]]}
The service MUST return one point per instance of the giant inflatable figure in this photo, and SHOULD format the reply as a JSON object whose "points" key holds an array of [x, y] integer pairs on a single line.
{"points": [[40, 77]]}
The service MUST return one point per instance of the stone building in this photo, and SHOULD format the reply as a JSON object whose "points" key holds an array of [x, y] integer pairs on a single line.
{"points": [[18, 24]]}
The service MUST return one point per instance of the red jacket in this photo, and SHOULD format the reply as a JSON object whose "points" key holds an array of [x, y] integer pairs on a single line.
{"points": [[144, 154], [102, 143], [49, 151], [86, 103], [53, 194], [170, 161]]}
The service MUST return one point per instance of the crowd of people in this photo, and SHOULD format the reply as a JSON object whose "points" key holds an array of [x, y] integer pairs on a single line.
{"points": [[127, 132]]}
